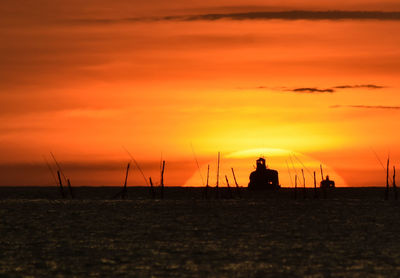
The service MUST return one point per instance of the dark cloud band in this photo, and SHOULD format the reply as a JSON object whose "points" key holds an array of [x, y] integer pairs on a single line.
{"points": [[259, 15], [291, 15], [367, 107], [311, 90]]}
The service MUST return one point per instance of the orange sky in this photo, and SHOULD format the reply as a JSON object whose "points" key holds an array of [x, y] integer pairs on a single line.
{"points": [[84, 79]]}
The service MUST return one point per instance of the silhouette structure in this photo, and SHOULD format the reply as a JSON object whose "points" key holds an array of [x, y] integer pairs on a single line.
{"points": [[263, 178], [327, 183]]}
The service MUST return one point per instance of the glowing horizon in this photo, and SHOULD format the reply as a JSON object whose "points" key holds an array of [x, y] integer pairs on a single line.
{"points": [[309, 77]]}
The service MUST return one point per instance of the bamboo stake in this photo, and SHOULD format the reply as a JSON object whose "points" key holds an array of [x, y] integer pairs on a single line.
{"points": [[162, 179], [315, 187], [124, 190], [304, 184], [237, 185], [290, 175], [136, 164], [71, 192], [387, 180], [58, 166], [229, 188], [152, 192], [208, 175], [217, 186], [60, 183], [295, 186], [51, 170], [394, 183]]}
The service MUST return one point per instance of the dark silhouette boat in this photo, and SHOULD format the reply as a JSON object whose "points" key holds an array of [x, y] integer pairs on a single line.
{"points": [[327, 183], [263, 178]]}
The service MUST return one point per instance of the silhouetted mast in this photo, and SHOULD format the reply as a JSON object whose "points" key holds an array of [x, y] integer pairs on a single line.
{"points": [[124, 191], [71, 192], [197, 163], [152, 192], [137, 165], [237, 185], [60, 183], [51, 170], [394, 183], [58, 166], [315, 186], [217, 186], [304, 184], [387, 180], [162, 179], [229, 188], [208, 175]]}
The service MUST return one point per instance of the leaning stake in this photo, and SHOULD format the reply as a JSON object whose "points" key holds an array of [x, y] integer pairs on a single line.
{"points": [[60, 183], [237, 185], [304, 184], [217, 186], [394, 183], [152, 192], [208, 175], [71, 192], [162, 179], [315, 187], [387, 181], [124, 190], [229, 188]]}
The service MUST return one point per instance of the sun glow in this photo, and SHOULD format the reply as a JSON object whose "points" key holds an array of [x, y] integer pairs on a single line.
{"points": [[288, 163]]}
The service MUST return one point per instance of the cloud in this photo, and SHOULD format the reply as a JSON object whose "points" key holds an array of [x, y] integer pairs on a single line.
{"points": [[312, 90], [251, 15], [367, 107], [365, 86], [316, 90], [292, 15]]}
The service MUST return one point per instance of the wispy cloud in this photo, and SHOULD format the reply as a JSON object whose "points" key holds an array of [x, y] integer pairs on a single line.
{"points": [[316, 90], [291, 15], [367, 107], [311, 90], [365, 86], [250, 15]]}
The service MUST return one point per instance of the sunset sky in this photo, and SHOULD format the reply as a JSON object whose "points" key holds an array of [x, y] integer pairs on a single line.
{"points": [[311, 81]]}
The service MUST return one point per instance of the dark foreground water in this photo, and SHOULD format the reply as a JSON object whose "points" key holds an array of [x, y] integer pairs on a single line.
{"points": [[353, 233]]}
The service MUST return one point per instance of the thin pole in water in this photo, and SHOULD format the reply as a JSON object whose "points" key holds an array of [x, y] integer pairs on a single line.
{"points": [[304, 184], [58, 166], [136, 164], [229, 188], [217, 186], [152, 192], [162, 179], [237, 185], [208, 176], [394, 183], [387, 180], [60, 183], [51, 170], [290, 175], [71, 192], [315, 187], [295, 186], [124, 190]]}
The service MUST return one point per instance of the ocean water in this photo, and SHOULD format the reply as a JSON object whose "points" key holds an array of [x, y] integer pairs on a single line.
{"points": [[353, 232]]}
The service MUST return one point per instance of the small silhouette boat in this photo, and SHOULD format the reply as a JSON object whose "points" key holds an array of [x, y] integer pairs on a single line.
{"points": [[263, 178], [327, 183]]}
